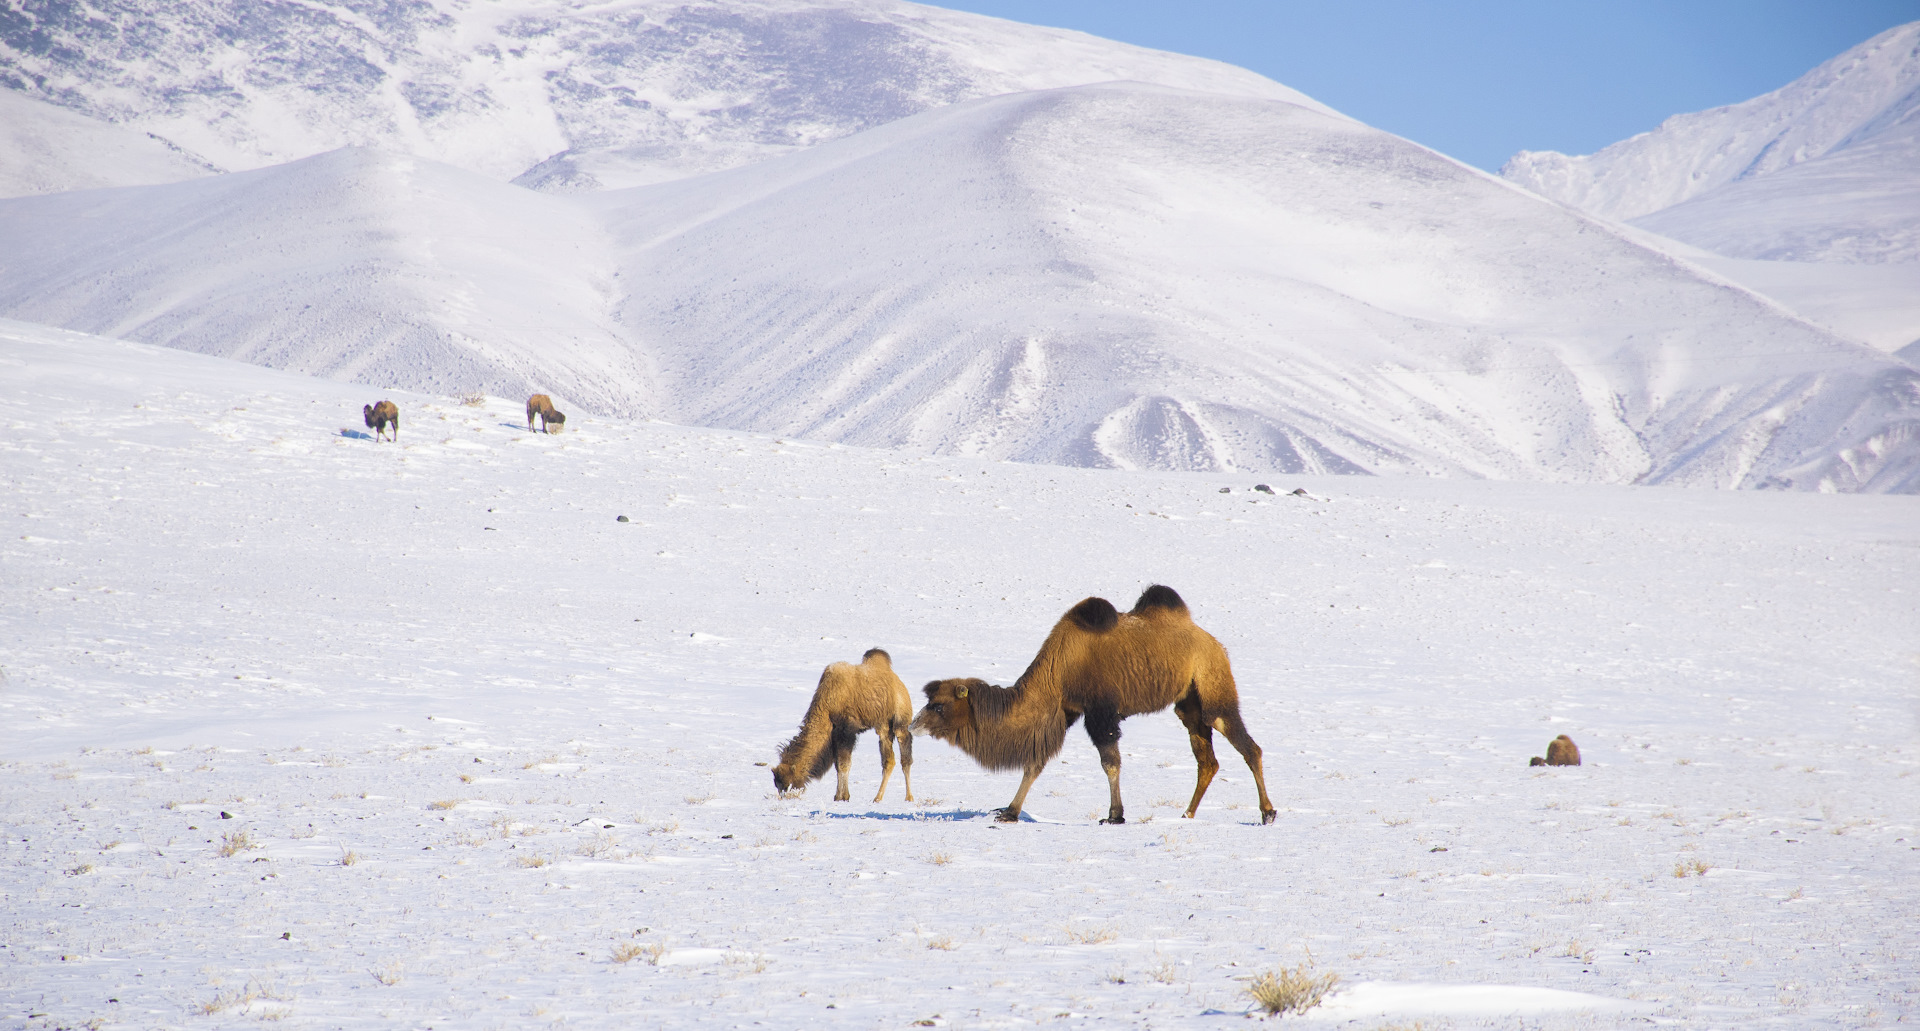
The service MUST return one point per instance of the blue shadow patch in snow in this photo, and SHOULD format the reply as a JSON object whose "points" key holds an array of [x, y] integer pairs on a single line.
{"points": [[953, 816], [348, 431]]}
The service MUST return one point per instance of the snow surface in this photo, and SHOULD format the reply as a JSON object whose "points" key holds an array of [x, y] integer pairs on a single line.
{"points": [[564, 95], [532, 728], [47, 149], [1122, 275]]}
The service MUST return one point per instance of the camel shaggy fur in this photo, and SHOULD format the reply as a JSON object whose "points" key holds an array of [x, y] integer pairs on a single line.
{"points": [[382, 416], [1104, 666], [542, 406], [1561, 751], [850, 699]]}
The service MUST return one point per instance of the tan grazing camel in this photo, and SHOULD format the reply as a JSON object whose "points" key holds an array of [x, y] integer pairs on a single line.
{"points": [[551, 419], [381, 416], [1105, 666], [849, 700], [1561, 751]]}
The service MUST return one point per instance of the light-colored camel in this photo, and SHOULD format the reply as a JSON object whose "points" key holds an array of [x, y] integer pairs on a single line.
{"points": [[850, 699]]}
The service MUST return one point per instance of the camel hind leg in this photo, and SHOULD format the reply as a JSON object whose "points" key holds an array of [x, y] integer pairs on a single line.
{"points": [[1103, 729], [905, 733], [1200, 736], [1236, 732], [884, 733]]}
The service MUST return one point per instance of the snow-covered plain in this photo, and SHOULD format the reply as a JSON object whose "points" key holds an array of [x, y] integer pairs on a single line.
{"points": [[485, 739]]}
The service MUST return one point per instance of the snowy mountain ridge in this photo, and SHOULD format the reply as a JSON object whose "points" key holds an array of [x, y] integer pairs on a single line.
{"points": [[562, 96], [1859, 97], [1122, 275]]}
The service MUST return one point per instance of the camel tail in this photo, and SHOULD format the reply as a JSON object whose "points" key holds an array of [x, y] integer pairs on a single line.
{"points": [[1159, 596], [1095, 615]]}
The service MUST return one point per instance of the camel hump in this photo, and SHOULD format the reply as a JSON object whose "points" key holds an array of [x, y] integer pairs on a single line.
{"points": [[879, 653], [1095, 615], [1159, 596]]}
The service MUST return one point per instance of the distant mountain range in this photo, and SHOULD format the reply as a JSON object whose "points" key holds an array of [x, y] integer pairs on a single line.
{"points": [[908, 244], [1823, 171]]}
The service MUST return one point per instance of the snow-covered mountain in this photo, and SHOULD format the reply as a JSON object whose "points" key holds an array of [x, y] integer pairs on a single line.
{"points": [[1826, 168], [1118, 275], [1809, 194], [563, 95]]}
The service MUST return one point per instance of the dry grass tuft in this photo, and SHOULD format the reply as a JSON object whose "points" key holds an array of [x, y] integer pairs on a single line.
{"points": [[236, 842], [348, 857], [1291, 991], [446, 803], [1691, 868], [944, 943], [627, 952], [1093, 936], [939, 858], [388, 975], [530, 861]]}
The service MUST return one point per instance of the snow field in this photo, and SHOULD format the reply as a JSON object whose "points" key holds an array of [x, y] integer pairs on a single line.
{"points": [[532, 729]]}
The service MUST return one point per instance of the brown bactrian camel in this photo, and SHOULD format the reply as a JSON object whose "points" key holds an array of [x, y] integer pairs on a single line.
{"points": [[1104, 666], [1561, 751], [381, 416], [550, 418], [850, 699]]}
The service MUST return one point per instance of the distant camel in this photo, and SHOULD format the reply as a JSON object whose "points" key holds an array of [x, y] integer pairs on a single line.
{"points": [[850, 699], [1106, 666], [542, 406], [381, 416], [1561, 751]]}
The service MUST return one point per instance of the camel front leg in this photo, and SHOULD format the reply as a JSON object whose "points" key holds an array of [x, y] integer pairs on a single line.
{"points": [[1011, 814], [885, 734], [842, 763]]}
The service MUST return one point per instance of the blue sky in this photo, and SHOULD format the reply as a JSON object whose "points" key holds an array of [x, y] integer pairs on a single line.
{"points": [[1479, 80]]}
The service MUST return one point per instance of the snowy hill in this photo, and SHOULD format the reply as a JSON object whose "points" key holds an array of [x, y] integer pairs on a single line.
{"points": [[564, 96], [1120, 275], [301, 730], [1819, 170]]}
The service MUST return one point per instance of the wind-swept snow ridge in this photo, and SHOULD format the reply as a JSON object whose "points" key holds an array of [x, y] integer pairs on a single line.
{"points": [[354, 265], [1134, 276], [565, 96], [1823, 169]]}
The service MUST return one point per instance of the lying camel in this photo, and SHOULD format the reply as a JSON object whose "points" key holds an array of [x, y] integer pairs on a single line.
{"points": [[1561, 751], [1103, 665], [542, 406], [850, 699], [381, 416]]}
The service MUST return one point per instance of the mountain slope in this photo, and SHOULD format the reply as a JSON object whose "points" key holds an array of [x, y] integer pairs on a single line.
{"points": [[563, 95], [1863, 101], [48, 149], [353, 265], [1135, 276]]}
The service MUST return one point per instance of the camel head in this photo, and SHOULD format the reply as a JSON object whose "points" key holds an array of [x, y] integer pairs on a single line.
{"points": [[949, 708], [786, 783]]}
